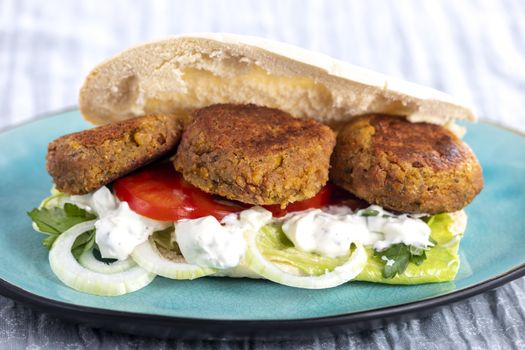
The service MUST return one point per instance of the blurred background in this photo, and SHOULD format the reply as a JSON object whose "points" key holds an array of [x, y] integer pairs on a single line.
{"points": [[474, 50]]}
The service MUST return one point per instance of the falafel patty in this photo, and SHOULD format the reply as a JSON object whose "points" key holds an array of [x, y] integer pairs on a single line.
{"points": [[254, 154], [85, 161], [406, 167]]}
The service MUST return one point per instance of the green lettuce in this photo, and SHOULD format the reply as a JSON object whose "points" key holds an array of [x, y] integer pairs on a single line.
{"points": [[439, 264], [277, 248], [163, 238]]}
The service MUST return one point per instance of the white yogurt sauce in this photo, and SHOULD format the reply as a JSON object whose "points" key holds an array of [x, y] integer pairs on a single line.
{"points": [[118, 228], [119, 231], [331, 232], [331, 235], [207, 242]]}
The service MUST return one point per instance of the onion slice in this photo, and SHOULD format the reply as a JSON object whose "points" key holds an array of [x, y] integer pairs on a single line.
{"points": [[149, 258], [341, 274], [74, 275], [88, 260]]}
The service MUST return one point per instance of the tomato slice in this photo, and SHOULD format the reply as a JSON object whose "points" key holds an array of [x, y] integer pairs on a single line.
{"points": [[330, 194], [341, 197], [152, 192], [159, 192], [321, 199]]}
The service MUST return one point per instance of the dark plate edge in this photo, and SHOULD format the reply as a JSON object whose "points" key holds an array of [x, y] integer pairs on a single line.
{"points": [[91, 314]]}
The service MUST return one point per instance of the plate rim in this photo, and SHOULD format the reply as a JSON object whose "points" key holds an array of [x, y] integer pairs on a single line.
{"points": [[50, 305]]}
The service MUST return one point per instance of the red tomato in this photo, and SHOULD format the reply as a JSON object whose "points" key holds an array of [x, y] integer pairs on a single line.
{"points": [[159, 192], [342, 197], [321, 199]]}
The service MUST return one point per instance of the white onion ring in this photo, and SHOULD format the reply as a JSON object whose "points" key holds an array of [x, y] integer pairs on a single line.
{"points": [[74, 275], [149, 258], [88, 260], [341, 274]]}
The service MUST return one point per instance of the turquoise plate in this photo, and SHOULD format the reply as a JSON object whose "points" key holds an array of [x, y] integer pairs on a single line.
{"points": [[491, 254]]}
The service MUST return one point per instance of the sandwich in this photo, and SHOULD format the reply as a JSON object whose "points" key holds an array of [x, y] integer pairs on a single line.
{"points": [[221, 155]]}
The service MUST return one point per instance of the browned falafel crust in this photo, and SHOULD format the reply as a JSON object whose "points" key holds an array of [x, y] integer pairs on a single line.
{"points": [[254, 154], [85, 161], [405, 167]]}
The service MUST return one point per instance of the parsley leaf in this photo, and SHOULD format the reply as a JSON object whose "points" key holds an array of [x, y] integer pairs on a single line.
{"points": [[397, 257], [74, 211], [418, 259], [49, 240], [54, 221], [83, 243], [368, 212]]}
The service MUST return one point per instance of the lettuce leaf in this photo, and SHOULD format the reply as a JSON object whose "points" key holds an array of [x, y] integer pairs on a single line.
{"points": [[441, 263], [163, 238], [277, 248]]}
